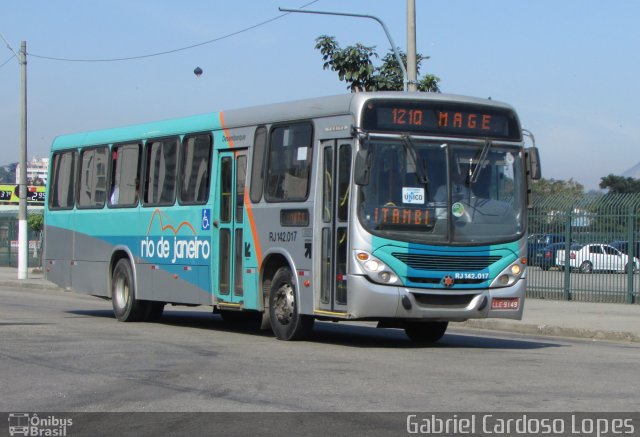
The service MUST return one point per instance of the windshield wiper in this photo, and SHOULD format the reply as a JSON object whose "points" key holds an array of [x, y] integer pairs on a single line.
{"points": [[483, 156], [421, 170]]}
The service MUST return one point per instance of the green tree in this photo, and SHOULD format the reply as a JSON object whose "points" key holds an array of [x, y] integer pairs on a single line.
{"points": [[553, 187], [620, 184], [388, 77], [35, 222], [354, 65], [553, 200]]}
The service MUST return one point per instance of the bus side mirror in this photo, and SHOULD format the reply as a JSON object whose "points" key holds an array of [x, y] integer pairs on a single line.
{"points": [[362, 167], [532, 161]]}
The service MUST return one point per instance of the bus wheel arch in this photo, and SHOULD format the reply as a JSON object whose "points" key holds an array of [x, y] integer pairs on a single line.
{"points": [[282, 301]]}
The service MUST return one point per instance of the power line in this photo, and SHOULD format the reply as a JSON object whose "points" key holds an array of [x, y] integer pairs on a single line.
{"points": [[7, 61], [15, 55], [167, 52]]}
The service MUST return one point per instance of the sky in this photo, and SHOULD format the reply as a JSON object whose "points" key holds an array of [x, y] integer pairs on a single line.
{"points": [[569, 67]]}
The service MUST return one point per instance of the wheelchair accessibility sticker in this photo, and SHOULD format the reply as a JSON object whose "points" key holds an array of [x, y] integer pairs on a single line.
{"points": [[206, 223]]}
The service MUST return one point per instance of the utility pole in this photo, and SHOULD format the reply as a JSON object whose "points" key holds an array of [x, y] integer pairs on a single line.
{"points": [[23, 240], [412, 72]]}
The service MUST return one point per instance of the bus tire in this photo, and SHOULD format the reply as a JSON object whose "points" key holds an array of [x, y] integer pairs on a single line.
{"points": [[286, 321], [425, 332], [154, 311], [123, 294]]}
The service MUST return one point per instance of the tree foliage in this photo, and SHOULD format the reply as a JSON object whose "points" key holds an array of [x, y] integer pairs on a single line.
{"points": [[35, 222], [354, 65], [552, 187], [620, 184]]}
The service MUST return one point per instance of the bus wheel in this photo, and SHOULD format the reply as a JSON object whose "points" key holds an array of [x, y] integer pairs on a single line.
{"points": [[425, 332], [155, 310], [286, 321], [123, 294]]}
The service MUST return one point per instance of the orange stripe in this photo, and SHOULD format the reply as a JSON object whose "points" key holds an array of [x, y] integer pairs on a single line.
{"points": [[247, 203], [252, 224], [226, 132]]}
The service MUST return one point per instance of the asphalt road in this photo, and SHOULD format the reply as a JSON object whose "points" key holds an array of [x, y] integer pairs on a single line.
{"points": [[66, 352]]}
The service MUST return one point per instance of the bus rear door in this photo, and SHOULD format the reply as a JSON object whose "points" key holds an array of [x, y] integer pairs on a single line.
{"points": [[228, 227]]}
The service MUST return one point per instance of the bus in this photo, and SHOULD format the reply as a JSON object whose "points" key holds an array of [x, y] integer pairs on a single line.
{"points": [[408, 209]]}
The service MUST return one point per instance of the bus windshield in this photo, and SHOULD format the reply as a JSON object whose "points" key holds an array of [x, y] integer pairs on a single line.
{"points": [[443, 193]]}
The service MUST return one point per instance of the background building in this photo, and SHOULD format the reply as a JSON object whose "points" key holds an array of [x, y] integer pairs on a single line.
{"points": [[37, 171]]}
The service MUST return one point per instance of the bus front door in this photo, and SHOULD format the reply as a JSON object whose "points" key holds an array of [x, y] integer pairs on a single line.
{"points": [[227, 224], [336, 168]]}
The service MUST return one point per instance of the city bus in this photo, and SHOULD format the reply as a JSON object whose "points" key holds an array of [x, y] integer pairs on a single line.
{"points": [[408, 209]]}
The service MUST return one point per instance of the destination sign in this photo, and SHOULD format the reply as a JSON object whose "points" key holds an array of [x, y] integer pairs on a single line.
{"points": [[442, 119]]}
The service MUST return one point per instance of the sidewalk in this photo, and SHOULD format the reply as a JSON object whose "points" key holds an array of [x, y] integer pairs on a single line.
{"points": [[597, 321]]}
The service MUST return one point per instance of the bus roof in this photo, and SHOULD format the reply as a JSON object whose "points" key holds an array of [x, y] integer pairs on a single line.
{"points": [[266, 114]]}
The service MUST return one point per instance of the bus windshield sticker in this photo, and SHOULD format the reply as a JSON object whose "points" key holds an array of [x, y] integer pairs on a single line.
{"points": [[457, 209], [413, 195], [302, 153]]}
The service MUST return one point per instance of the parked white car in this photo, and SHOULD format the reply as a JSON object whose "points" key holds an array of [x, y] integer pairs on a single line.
{"points": [[597, 257]]}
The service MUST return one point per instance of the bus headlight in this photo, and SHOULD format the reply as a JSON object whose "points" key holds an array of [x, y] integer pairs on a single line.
{"points": [[376, 270], [509, 275]]}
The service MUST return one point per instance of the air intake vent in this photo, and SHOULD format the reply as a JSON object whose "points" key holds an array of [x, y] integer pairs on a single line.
{"points": [[438, 262]]}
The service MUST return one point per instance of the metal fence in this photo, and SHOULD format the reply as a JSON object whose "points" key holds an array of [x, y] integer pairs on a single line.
{"points": [[9, 241], [593, 218]]}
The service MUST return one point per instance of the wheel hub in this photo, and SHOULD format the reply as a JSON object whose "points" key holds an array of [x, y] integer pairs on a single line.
{"points": [[284, 304]]}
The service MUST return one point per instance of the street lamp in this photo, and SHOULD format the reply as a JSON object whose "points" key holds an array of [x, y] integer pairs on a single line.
{"points": [[386, 31]]}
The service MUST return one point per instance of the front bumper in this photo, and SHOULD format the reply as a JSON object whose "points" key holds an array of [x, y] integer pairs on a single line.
{"points": [[368, 300]]}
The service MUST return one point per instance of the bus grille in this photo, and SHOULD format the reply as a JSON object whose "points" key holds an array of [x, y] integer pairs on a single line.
{"points": [[438, 280], [450, 300], [438, 262]]}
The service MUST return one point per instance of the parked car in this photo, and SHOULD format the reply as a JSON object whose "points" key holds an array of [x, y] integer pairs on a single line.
{"points": [[535, 242], [623, 246], [545, 257], [598, 257]]}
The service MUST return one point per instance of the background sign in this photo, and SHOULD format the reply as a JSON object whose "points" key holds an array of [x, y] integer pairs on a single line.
{"points": [[9, 194]]}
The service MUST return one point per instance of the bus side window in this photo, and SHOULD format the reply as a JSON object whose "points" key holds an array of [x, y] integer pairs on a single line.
{"points": [[289, 163], [195, 169], [94, 163], [257, 165], [61, 195], [125, 173], [160, 177]]}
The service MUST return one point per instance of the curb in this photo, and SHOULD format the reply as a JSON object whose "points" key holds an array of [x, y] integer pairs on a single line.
{"points": [[37, 284], [552, 331]]}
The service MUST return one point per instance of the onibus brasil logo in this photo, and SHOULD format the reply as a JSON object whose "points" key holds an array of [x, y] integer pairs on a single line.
{"points": [[32, 425], [175, 247]]}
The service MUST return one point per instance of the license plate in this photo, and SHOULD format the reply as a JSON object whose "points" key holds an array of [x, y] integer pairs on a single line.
{"points": [[505, 303]]}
